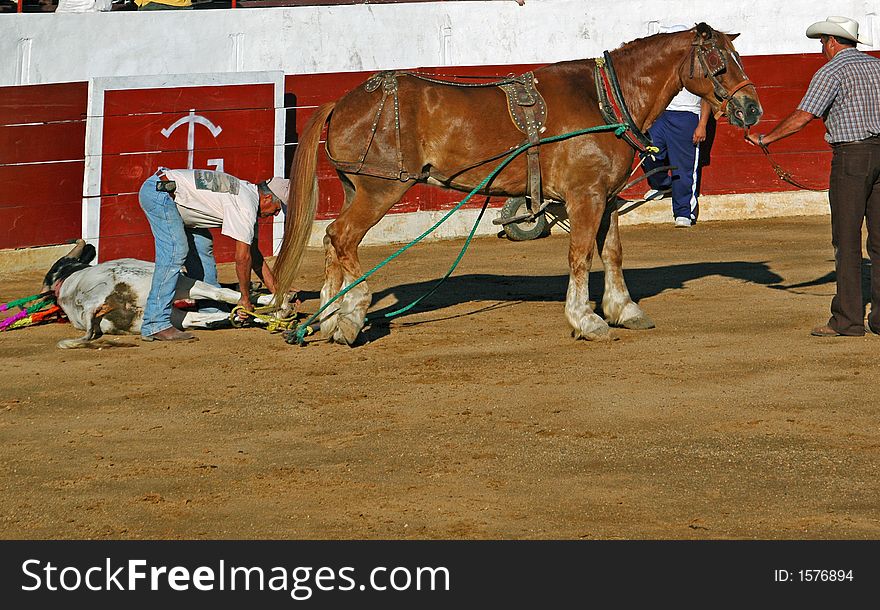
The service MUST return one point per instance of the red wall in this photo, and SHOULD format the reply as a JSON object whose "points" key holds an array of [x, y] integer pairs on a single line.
{"points": [[42, 136], [42, 152], [738, 167]]}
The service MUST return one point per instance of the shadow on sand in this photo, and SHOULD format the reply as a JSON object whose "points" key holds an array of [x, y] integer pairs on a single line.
{"points": [[498, 291]]}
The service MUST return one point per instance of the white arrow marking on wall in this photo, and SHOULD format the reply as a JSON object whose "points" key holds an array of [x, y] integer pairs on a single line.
{"points": [[191, 120]]}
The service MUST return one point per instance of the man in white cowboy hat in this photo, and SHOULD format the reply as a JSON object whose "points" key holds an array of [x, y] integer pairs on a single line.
{"points": [[845, 92], [181, 205]]}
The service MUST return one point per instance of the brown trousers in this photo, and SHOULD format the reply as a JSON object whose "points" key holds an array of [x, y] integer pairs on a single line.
{"points": [[854, 194]]}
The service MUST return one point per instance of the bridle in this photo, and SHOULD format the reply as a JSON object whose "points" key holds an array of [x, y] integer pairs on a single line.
{"points": [[713, 61]]}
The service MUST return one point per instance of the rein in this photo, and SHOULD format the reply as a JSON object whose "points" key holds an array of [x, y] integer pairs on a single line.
{"points": [[507, 80], [784, 175]]}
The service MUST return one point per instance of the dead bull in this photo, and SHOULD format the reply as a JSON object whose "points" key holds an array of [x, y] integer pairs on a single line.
{"points": [[109, 298]]}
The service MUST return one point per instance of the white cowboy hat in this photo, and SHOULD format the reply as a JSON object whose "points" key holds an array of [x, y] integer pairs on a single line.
{"points": [[836, 26]]}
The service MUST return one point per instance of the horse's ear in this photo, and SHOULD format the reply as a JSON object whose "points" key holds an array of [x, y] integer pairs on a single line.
{"points": [[704, 31]]}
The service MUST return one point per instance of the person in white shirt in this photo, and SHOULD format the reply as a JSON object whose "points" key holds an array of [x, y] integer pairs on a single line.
{"points": [[181, 204], [678, 132], [83, 6]]}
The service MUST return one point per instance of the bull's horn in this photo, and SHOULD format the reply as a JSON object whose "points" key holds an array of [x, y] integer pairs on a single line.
{"points": [[77, 249]]}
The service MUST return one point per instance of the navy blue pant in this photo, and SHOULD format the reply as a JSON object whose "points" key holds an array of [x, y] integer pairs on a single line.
{"points": [[673, 133]]}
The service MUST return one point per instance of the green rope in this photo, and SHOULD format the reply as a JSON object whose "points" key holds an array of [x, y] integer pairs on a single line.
{"points": [[299, 334], [434, 288]]}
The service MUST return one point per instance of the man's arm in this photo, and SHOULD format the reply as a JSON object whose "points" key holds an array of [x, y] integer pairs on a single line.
{"points": [[243, 263], [700, 131], [261, 267], [791, 124]]}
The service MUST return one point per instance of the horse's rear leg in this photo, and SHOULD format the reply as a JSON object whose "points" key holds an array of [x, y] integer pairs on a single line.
{"points": [[332, 285], [617, 305], [367, 201], [585, 214]]}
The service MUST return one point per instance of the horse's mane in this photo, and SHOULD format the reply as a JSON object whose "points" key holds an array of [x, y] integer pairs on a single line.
{"points": [[635, 47], [636, 60]]}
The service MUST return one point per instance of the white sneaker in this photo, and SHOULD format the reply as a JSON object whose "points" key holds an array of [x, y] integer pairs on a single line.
{"points": [[656, 194], [683, 221]]}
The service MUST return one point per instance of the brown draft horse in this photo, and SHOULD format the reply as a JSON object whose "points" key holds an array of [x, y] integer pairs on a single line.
{"points": [[438, 130]]}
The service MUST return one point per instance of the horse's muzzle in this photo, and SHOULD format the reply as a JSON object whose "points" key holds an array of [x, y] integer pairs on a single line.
{"points": [[744, 111]]}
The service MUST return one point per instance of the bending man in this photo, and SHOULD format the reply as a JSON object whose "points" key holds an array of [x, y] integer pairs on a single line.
{"points": [[181, 205]]}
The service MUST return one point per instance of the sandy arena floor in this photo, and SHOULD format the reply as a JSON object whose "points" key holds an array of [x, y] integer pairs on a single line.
{"points": [[475, 417]]}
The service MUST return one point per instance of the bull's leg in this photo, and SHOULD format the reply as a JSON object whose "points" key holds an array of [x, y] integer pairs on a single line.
{"points": [[585, 214], [368, 199], [617, 305], [201, 319], [93, 330], [188, 288]]}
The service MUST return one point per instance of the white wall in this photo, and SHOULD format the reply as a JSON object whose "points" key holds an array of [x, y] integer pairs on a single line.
{"points": [[45, 48]]}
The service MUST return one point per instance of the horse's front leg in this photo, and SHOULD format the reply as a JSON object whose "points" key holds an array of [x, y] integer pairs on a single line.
{"points": [[585, 214], [617, 305]]}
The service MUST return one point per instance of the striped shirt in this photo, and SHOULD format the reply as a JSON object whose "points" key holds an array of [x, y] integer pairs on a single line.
{"points": [[846, 93]]}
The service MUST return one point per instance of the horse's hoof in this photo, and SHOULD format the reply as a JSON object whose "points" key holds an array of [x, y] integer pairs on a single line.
{"points": [[328, 329], [639, 322], [597, 333], [347, 330]]}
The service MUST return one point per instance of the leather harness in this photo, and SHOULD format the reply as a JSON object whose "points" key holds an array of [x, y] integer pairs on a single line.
{"points": [[526, 106], [528, 110], [160, 174]]}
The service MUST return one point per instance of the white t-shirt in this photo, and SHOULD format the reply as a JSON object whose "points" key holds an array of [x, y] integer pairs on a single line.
{"points": [[685, 101], [207, 199], [83, 6]]}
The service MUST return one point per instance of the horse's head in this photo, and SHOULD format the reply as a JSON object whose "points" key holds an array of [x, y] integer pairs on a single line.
{"points": [[75, 260], [715, 73]]}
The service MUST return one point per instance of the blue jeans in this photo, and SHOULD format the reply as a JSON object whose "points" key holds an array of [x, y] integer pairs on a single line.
{"points": [[171, 252], [200, 263]]}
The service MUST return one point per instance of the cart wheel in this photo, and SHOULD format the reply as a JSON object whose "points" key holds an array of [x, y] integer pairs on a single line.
{"points": [[525, 230]]}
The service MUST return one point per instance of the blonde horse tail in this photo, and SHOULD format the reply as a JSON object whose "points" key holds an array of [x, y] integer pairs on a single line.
{"points": [[302, 204]]}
